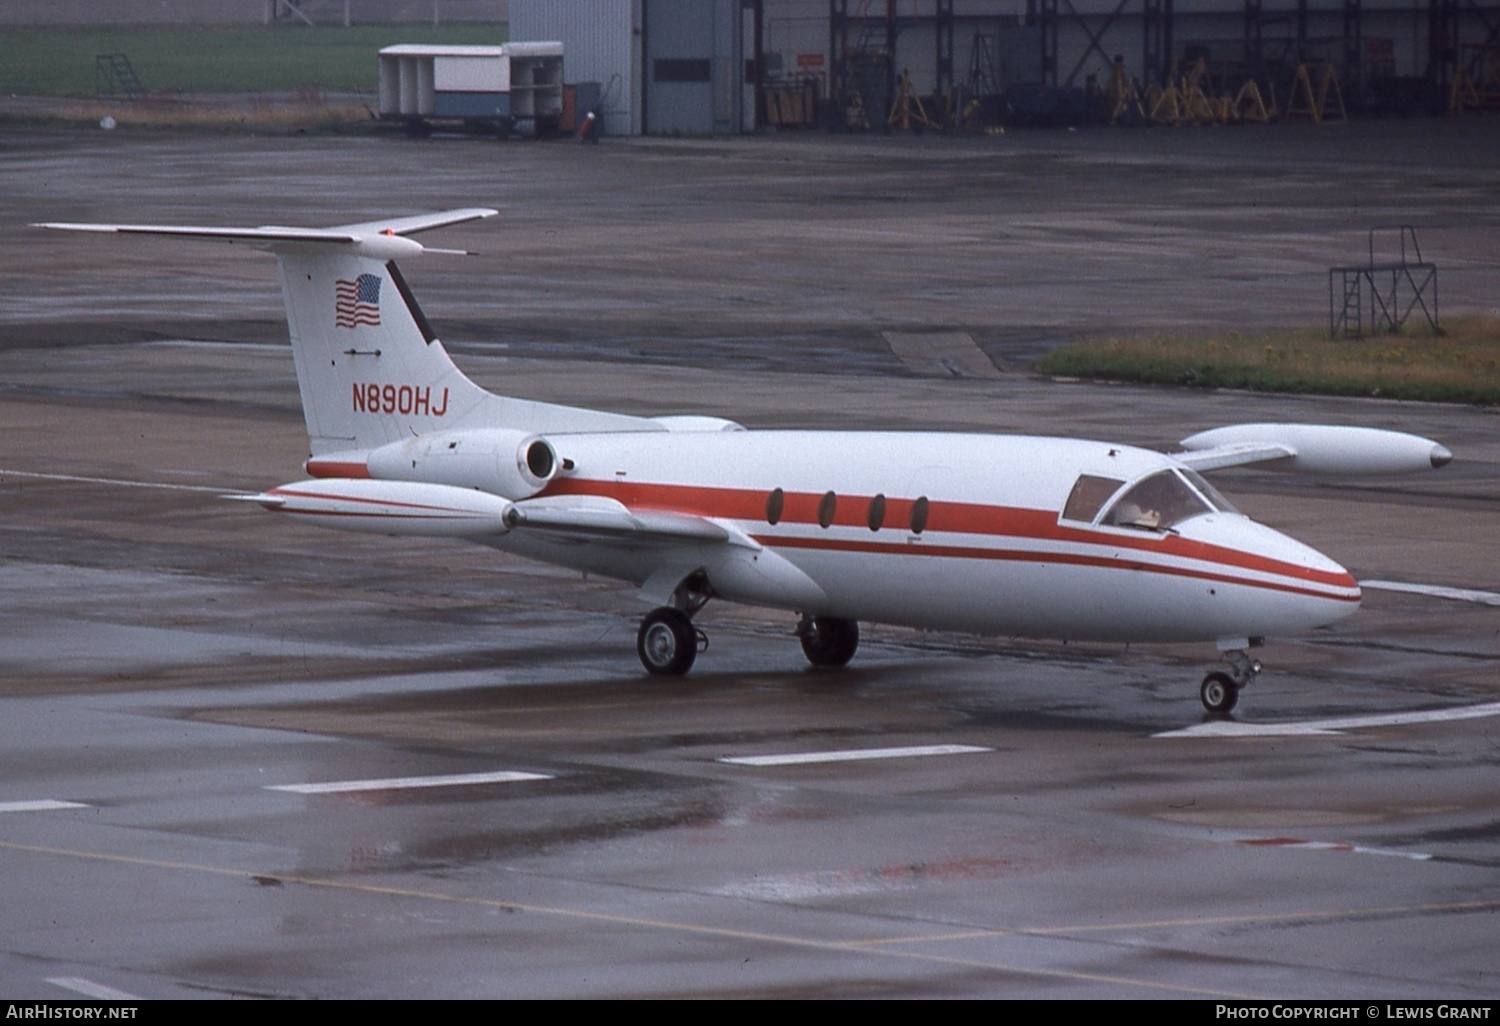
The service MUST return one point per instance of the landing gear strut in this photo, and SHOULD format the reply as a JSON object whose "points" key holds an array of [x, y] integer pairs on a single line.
{"points": [[828, 640], [667, 641], [1221, 689]]}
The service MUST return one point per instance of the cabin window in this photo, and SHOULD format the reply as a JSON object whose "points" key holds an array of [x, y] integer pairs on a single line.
{"points": [[1157, 503], [877, 512], [1088, 497], [775, 504], [919, 511], [826, 507]]}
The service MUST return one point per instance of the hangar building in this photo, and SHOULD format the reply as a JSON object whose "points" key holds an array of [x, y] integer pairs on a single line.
{"points": [[705, 67]]}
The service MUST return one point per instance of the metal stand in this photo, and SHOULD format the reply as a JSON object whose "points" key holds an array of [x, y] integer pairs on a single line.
{"points": [[1395, 289]]}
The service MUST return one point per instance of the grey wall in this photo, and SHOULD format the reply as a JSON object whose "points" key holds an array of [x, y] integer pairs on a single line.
{"points": [[601, 40]]}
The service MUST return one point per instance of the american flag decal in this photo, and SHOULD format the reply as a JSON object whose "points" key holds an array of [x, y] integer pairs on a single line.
{"points": [[357, 302]]}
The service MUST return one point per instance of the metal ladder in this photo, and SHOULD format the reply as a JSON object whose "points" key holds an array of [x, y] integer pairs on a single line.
{"points": [[1396, 289], [1351, 320], [113, 73]]}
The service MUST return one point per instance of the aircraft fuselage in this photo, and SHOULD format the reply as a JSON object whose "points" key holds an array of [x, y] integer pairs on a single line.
{"points": [[944, 531]]}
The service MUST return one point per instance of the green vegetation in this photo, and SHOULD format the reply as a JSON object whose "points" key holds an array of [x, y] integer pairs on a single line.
{"points": [[60, 61], [1462, 365]]}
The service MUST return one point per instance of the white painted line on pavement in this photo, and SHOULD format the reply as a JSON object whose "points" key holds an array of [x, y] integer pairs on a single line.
{"points": [[1334, 727], [1356, 849], [1484, 598], [122, 482], [88, 988], [39, 805], [403, 783], [853, 755]]}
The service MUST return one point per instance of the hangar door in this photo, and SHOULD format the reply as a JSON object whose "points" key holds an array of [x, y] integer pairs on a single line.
{"points": [[693, 66]]}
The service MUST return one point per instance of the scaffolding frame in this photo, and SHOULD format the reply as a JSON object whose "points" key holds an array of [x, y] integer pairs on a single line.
{"points": [[866, 37], [867, 31], [1382, 284]]}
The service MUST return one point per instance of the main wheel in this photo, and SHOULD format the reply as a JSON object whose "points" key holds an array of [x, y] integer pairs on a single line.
{"points": [[829, 641], [667, 642], [1219, 693]]}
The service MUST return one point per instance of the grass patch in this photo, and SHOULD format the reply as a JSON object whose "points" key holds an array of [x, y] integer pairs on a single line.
{"points": [[1460, 366], [60, 61], [307, 111]]}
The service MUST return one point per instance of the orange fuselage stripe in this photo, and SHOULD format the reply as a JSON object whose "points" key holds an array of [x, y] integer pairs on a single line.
{"points": [[953, 518]]}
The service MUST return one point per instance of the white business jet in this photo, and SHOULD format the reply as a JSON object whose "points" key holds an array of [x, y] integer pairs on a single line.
{"points": [[993, 534]]}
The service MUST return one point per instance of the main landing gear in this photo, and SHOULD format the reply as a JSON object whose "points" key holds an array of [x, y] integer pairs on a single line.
{"points": [[668, 643], [1221, 689], [828, 640]]}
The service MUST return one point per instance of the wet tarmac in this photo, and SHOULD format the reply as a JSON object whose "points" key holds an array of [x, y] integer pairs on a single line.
{"points": [[505, 806]]}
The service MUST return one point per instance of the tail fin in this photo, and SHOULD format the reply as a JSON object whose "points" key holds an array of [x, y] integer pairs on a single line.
{"points": [[370, 368]]}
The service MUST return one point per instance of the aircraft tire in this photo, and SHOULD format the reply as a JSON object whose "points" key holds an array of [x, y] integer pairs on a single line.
{"points": [[667, 642], [830, 641], [1219, 693]]}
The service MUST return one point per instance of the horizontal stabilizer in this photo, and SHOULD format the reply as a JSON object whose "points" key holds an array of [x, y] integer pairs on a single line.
{"points": [[417, 222], [383, 240]]}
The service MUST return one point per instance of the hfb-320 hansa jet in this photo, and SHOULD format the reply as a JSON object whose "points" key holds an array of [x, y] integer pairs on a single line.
{"points": [[993, 534]]}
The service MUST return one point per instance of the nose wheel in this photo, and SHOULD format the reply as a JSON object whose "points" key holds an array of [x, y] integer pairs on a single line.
{"points": [[1220, 690]]}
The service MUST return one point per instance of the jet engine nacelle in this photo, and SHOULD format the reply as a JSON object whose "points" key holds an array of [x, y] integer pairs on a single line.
{"points": [[391, 507], [1327, 450], [511, 464]]}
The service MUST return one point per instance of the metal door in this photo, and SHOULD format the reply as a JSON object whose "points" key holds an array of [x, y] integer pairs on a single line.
{"points": [[692, 66]]}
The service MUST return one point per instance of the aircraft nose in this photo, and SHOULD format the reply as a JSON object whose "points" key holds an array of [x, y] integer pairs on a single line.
{"points": [[1282, 565], [1318, 573], [1440, 456], [1351, 584]]}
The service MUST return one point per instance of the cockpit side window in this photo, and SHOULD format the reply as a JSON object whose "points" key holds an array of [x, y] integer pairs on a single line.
{"points": [[1156, 503], [1088, 496]]}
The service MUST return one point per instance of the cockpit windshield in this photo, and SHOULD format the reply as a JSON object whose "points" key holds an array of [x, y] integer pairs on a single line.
{"points": [[1209, 492], [1160, 501]]}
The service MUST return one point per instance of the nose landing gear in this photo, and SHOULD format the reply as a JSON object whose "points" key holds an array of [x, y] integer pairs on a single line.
{"points": [[1221, 690]]}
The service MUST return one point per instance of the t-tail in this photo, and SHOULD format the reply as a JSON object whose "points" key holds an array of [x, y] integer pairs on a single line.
{"points": [[369, 365], [401, 441]]}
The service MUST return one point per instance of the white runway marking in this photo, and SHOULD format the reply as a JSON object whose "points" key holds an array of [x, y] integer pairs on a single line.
{"points": [[88, 988], [1356, 849], [187, 343], [39, 805], [1484, 598], [852, 755], [403, 783], [1313, 728], [119, 481]]}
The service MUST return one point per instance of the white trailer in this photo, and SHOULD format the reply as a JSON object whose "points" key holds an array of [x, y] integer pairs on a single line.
{"points": [[486, 88]]}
